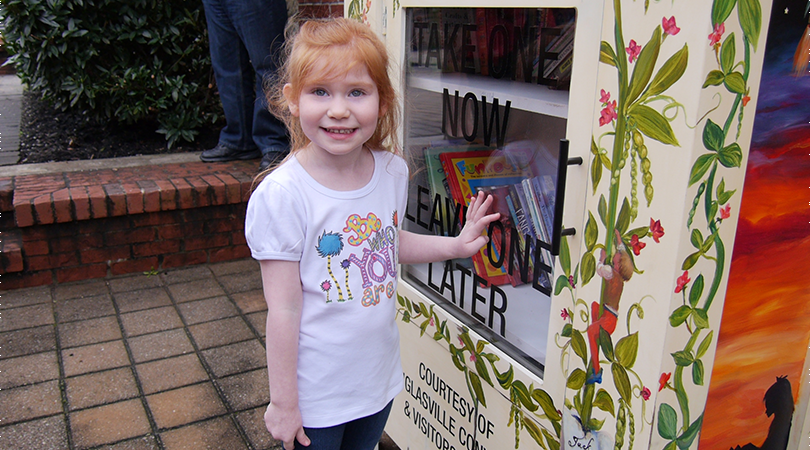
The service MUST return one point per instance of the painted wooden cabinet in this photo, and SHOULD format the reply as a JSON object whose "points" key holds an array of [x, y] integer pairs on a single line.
{"points": [[608, 341]]}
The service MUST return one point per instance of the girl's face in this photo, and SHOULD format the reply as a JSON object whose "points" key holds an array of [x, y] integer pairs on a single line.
{"points": [[340, 114]]}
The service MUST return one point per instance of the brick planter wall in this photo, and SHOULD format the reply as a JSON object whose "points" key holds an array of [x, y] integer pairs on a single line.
{"points": [[74, 225]]}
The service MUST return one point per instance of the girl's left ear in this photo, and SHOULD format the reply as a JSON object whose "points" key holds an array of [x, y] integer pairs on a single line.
{"points": [[287, 90]]}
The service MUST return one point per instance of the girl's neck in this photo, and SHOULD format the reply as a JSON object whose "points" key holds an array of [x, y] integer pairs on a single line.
{"points": [[339, 173]]}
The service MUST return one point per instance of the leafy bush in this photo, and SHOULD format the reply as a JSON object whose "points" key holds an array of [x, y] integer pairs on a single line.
{"points": [[124, 60]]}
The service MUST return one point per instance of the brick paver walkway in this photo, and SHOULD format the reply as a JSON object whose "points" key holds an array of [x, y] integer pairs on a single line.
{"points": [[173, 360]]}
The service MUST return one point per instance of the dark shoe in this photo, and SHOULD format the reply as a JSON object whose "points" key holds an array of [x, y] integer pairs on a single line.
{"points": [[221, 153], [271, 159]]}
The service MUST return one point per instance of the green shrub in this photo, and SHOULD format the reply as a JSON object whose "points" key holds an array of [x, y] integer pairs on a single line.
{"points": [[124, 60]]}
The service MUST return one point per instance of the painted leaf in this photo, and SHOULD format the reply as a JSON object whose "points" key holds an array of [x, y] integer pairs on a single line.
{"points": [[696, 238], [522, 392], [712, 136], [546, 403], [606, 344], [697, 372], [696, 291], [602, 209], [623, 220], [700, 167], [596, 173], [401, 300], [606, 54], [562, 283], [727, 53], [576, 380], [627, 350], [685, 440], [622, 381], [721, 9], [667, 422], [669, 73], [640, 232], [731, 156], [588, 267], [750, 13], [475, 382], [701, 318], [483, 371], [567, 330], [644, 66], [423, 327], [505, 379], [691, 260], [578, 345], [679, 316], [604, 401], [704, 344], [653, 125], [683, 358], [714, 78], [553, 443], [565, 256], [735, 82], [457, 358], [533, 429], [606, 162], [406, 317], [591, 232], [596, 167]]}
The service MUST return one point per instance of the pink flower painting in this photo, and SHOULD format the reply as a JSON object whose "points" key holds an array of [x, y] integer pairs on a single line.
{"points": [[717, 35], [656, 230], [725, 212], [682, 281], [669, 26], [633, 50], [636, 244], [608, 114]]}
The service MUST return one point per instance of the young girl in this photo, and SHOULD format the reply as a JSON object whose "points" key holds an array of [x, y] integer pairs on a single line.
{"points": [[326, 227]]}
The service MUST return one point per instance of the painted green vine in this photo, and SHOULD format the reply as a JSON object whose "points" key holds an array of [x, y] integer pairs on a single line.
{"points": [[535, 401]]}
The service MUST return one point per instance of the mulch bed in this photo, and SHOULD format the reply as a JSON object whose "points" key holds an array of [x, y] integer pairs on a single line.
{"points": [[47, 134]]}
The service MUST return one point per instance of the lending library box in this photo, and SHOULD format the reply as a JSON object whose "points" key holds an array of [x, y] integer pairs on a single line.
{"points": [[486, 105]]}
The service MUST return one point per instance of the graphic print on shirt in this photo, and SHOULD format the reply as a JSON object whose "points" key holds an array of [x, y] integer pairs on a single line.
{"points": [[329, 245], [373, 255]]}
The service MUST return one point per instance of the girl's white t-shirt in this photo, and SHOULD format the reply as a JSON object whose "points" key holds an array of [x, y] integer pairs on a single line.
{"points": [[347, 244]]}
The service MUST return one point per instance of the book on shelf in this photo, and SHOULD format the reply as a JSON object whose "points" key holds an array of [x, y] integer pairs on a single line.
{"points": [[492, 171]]}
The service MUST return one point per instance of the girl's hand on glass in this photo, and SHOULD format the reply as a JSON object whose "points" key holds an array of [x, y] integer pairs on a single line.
{"points": [[472, 236], [285, 425]]}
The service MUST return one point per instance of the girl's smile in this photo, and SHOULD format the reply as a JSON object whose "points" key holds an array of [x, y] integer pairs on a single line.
{"points": [[339, 114]]}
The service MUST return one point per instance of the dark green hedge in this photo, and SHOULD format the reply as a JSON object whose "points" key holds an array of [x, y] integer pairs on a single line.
{"points": [[125, 60]]}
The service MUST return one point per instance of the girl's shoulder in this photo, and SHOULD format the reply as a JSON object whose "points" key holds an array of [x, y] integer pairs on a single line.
{"points": [[283, 179], [391, 162]]}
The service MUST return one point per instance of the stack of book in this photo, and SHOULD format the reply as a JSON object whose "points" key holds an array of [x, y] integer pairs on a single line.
{"points": [[523, 196]]}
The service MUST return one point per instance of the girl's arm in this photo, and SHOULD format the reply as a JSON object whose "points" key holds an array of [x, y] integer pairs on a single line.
{"points": [[422, 248], [282, 290]]}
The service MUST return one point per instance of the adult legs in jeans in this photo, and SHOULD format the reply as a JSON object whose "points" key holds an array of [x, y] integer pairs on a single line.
{"points": [[359, 434], [245, 37]]}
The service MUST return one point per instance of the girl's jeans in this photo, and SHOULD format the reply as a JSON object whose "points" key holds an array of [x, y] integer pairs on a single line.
{"points": [[359, 434]]}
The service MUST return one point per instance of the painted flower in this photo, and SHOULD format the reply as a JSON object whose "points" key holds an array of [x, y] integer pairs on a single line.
{"points": [[432, 322], [717, 34], [636, 244], [472, 357], [725, 212], [571, 281], [683, 280], [669, 26], [608, 114], [460, 341], [564, 314], [664, 380], [745, 100], [633, 50], [645, 393], [656, 229], [605, 97], [326, 285]]}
